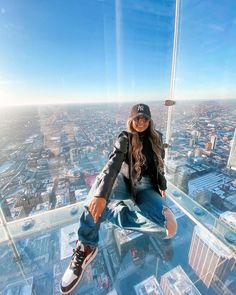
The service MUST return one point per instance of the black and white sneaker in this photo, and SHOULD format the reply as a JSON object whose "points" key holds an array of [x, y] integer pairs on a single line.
{"points": [[83, 255]]}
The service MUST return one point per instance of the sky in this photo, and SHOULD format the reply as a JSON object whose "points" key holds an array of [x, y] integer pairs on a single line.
{"points": [[63, 51], [206, 55]]}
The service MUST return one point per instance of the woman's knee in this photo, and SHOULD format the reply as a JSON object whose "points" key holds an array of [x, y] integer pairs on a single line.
{"points": [[171, 224]]}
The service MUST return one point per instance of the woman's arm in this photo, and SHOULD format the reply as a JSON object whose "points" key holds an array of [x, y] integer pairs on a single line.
{"points": [[106, 178], [96, 207]]}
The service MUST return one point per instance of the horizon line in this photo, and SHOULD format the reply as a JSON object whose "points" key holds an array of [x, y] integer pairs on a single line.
{"points": [[108, 102]]}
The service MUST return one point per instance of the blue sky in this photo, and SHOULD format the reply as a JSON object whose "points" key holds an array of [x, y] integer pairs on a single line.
{"points": [[206, 60], [105, 50]]}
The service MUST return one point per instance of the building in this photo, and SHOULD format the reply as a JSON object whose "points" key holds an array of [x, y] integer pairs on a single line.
{"points": [[126, 239], [208, 146], [198, 152], [211, 181], [232, 156], [112, 292], [227, 228], [213, 141], [230, 202], [68, 237], [194, 137], [5, 209], [173, 166], [74, 153], [18, 212], [201, 196], [20, 287], [209, 257], [192, 142], [229, 218], [176, 282], [182, 177], [150, 286]]}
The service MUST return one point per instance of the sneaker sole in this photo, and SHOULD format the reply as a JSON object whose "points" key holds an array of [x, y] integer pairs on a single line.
{"points": [[88, 262]]}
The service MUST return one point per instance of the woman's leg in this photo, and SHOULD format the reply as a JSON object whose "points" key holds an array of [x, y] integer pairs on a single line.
{"points": [[118, 213], [85, 250], [153, 207], [123, 217], [132, 218], [171, 224], [150, 215]]}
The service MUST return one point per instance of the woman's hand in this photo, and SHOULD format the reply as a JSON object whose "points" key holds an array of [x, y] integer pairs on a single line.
{"points": [[96, 207], [163, 194]]}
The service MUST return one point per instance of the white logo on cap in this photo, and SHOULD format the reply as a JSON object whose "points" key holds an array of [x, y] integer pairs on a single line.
{"points": [[140, 108]]}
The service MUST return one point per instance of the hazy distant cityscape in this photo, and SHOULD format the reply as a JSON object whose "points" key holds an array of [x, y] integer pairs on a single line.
{"points": [[50, 156]]}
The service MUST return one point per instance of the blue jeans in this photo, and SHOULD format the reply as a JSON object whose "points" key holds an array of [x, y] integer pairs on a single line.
{"points": [[145, 216]]}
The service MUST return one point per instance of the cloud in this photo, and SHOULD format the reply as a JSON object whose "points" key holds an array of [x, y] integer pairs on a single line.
{"points": [[7, 82], [216, 27]]}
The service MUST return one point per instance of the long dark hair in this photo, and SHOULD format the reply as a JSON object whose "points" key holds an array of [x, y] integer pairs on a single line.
{"points": [[139, 158]]}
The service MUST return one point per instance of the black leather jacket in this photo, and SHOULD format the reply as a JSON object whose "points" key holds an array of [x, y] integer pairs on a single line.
{"points": [[120, 161]]}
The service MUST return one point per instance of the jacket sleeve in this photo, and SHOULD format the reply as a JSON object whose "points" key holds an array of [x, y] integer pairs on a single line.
{"points": [[106, 178], [162, 147], [162, 183]]}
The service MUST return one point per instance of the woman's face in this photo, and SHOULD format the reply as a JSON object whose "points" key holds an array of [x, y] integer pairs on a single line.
{"points": [[140, 123]]}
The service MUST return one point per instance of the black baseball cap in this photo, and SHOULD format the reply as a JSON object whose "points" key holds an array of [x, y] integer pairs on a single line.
{"points": [[140, 109]]}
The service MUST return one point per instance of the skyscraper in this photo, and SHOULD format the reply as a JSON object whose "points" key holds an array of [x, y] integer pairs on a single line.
{"points": [[192, 142], [232, 156], [208, 146], [74, 154], [182, 177], [125, 239], [209, 257], [150, 286], [213, 141], [176, 282]]}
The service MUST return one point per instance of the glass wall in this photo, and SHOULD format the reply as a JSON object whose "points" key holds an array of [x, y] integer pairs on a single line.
{"points": [[70, 72], [204, 118], [201, 138]]}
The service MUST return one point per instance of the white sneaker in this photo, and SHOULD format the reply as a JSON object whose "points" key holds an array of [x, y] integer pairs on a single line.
{"points": [[82, 256]]}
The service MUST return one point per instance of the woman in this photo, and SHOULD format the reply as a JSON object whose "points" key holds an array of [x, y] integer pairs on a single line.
{"points": [[134, 175]]}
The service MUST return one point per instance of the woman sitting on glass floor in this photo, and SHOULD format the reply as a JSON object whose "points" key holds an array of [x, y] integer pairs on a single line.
{"points": [[133, 174]]}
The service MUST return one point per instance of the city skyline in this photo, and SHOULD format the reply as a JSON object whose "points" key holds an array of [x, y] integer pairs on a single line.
{"points": [[60, 148]]}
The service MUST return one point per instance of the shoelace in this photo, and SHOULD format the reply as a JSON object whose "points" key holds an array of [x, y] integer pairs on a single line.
{"points": [[78, 258]]}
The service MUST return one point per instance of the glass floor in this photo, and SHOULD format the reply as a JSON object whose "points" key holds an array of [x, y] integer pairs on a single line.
{"points": [[200, 259]]}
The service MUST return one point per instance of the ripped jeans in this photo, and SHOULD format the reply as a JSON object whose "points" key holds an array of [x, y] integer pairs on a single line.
{"points": [[146, 215]]}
